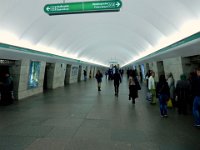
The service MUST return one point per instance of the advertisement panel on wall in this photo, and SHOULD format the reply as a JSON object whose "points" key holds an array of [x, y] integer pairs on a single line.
{"points": [[34, 73], [74, 71]]}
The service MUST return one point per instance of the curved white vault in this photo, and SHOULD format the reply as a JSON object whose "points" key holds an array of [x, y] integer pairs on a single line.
{"points": [[139, 28]]}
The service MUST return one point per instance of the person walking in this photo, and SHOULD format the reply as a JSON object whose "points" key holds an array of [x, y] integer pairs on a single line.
{"points": [[196, 103], [133, 89], [163, 93], [85, 75], [99, 79], [90, 74], [152, 87], [141, 76], [117, 81]]}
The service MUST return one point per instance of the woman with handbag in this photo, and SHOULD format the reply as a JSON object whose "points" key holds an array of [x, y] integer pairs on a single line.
{"points": [[170, 81], [133, 86]]}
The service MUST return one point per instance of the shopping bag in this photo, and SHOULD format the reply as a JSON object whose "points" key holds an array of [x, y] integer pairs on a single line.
{"points": [[169, 103]]}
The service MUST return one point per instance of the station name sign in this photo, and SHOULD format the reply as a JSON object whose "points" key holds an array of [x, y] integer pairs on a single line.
{"points": [[83, 7], [6, 62]]}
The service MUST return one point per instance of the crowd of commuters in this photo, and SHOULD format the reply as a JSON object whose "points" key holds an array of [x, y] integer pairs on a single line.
{"points": [[111, 71], [183, 94], [116, 75]]}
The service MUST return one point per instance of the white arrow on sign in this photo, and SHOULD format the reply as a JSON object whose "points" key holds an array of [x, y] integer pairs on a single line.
{"points": [[117, 4], [48, 8]]}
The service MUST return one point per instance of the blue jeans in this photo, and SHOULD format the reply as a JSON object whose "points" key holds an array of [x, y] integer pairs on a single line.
{"points": [[196, 105], [163, 104]]}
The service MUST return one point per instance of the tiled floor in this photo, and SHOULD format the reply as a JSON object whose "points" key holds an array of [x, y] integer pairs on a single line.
{"points": [[78, 117]]}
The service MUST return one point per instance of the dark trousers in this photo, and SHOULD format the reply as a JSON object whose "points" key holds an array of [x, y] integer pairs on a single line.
{"points": [[116, 88], [133, 93], [6, 98], [182, 106]]}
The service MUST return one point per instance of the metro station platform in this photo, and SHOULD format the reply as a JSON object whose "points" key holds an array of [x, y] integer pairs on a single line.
{"points": [[78, 117]]}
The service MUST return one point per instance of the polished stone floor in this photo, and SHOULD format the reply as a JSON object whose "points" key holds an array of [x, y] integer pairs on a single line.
{"points": [[78, 117]]}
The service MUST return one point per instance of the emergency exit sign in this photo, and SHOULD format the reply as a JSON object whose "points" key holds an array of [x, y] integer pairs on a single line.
{"points": [[83, 7]]}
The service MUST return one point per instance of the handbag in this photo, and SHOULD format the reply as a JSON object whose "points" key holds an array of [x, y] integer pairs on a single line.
{"points": [[138, 86], [169, 103]]}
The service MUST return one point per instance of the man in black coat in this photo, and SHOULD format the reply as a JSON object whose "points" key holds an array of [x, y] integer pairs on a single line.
{"points": [[117, 81]]}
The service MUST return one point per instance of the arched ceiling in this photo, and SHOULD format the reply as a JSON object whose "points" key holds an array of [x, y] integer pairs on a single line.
{"points": [[139, 28]]}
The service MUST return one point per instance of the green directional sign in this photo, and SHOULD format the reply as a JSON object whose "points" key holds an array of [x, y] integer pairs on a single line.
{"points": [[83, 7]]}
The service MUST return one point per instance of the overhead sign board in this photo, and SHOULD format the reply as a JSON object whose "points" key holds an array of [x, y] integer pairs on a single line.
{"points": [[82, 7]]}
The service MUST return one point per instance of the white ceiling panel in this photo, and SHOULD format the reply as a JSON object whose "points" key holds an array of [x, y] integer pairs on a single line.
{"points": [[122, 36]]}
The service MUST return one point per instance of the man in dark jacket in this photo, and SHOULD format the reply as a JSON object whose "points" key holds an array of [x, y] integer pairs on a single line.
{"points": [[196, 104], [99, 79], [117, 81], [85, 75], [183, 94]]}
